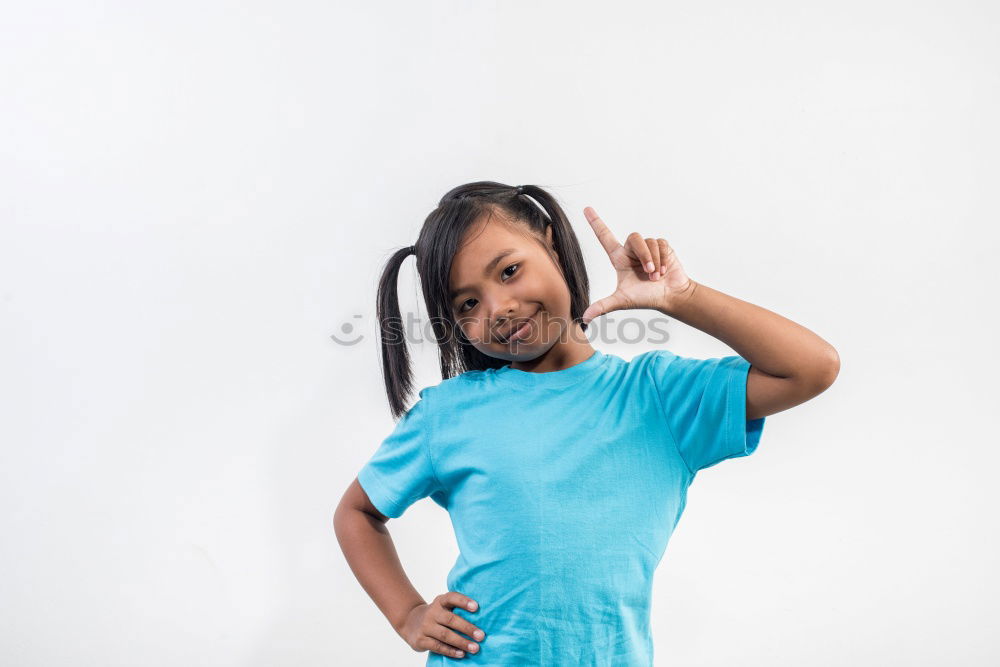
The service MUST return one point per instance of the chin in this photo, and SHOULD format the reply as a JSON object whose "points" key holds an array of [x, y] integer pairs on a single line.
{"points": [[527, 351]]}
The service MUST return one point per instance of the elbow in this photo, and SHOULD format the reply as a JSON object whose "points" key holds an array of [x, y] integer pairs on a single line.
{"points": [[834, 363], [827, 371], [341, 515], [337, 520], [344, 525]]}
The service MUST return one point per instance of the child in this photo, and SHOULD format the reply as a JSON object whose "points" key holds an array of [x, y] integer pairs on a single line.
{"points": [[564, 469]]}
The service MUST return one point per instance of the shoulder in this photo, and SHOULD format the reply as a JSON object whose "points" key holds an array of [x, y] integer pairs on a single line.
{"points": [[450, 389], [653, 362], [660, 358]]}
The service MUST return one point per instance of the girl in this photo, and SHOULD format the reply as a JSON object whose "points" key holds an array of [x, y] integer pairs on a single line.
{"points": [[564, 469]]}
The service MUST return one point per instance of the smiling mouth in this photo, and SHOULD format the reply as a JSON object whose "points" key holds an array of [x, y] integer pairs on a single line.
{"points": [[519, 332]]}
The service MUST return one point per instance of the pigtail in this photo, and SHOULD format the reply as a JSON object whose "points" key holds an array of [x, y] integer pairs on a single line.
{"points": [[396, 371], [566, 244]]}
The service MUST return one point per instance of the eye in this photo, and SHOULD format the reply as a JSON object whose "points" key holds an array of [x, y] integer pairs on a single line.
{"points": [[462, 307]]}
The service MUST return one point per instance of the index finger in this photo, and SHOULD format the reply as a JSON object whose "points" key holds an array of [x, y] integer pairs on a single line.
{"points": [[604, 235], [455, 599]]}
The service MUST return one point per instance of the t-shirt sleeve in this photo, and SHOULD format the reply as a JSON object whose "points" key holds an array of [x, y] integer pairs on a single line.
{"points": [[705, 402], [401, 472]]}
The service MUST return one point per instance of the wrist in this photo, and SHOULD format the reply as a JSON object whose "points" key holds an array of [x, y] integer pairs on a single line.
{"points": [[399, 623], [670, 305]]}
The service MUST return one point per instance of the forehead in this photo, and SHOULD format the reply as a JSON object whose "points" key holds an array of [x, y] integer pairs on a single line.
{"points": [[481, 244]]}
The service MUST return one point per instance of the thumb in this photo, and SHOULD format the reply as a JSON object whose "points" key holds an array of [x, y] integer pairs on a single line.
{"points": [[599, 307]]}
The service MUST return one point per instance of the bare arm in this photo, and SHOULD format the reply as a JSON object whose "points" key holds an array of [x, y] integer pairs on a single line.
{"points": [[789, 363], [370, 552], [372, 556]]}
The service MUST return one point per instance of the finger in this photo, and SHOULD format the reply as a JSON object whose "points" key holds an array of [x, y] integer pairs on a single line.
{"points": [[598, 308], [636, 245], [654, 251], [665, 250], [604, 235], [451, 599], [452, 638], [438, 646], [453, 620]]}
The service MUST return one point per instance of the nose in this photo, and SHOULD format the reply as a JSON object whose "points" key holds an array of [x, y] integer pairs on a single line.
{"points": [[500, 308]]}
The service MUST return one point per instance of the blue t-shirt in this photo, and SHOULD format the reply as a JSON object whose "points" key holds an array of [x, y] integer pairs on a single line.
{"points": [[563, 489]]}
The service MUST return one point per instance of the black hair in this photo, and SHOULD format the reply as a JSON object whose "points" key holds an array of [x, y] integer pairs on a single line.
{"points": [[442, 232]]}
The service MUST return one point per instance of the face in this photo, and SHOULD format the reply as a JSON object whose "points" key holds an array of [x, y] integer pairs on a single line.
{"points": [[491, 298]]}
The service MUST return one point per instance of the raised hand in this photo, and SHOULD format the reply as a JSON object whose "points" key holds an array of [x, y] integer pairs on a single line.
{"points": [[431, 627], [649, 273]]}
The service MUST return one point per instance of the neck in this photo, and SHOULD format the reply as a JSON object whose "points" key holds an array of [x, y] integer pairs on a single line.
{"points": [[572, 348]]}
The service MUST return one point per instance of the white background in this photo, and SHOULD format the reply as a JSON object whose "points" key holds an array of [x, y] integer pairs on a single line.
{"points": [[196, 195]]}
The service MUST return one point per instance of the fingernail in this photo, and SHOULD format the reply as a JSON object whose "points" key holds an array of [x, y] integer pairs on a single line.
{"points": [[650, 267], [472, 606], [479, 634], [460, 654], [663, 269], [472, 648]]}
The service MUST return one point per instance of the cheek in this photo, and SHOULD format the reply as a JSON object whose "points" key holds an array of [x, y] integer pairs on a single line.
{"points": [[556, 295], [472, 327]]}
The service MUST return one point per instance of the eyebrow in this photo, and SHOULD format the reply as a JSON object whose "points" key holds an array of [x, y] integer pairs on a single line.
{"points": [[486, 271]]}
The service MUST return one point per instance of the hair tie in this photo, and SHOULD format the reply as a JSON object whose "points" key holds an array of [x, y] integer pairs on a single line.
{"points": [[520, 189], [412, 250]]}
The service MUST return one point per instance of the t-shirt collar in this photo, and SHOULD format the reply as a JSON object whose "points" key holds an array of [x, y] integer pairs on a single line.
{"points": [[559, 378]]}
